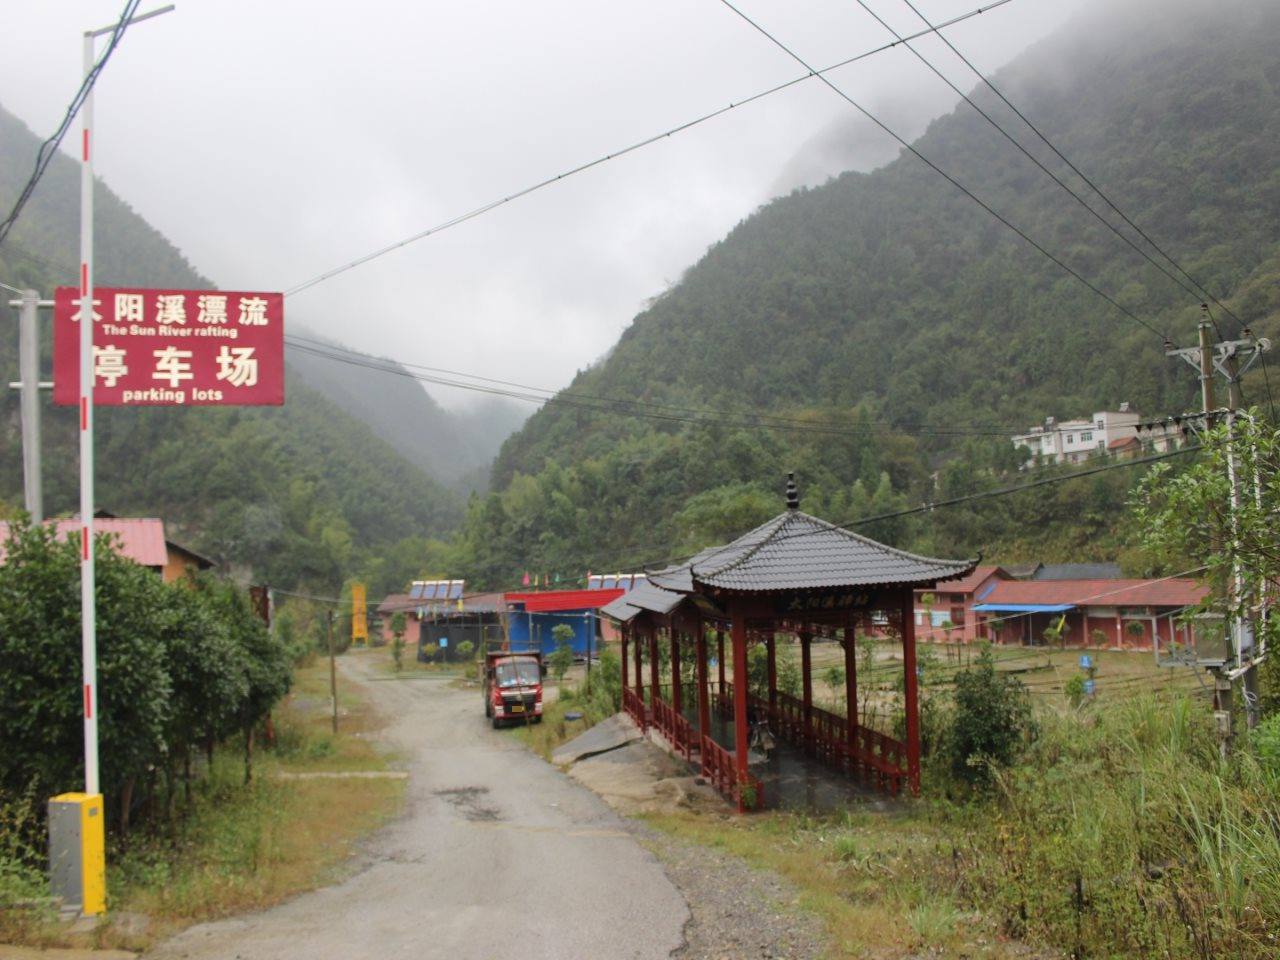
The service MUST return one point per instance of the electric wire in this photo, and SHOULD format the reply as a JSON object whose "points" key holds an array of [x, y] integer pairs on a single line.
{"points": [[1076, 170], [914, 151], [1182, 284], [583, 167], [532, 394], [49, 148]]}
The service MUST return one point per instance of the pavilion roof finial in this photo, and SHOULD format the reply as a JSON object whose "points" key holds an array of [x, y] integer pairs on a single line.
{"points": [[793, 493]]}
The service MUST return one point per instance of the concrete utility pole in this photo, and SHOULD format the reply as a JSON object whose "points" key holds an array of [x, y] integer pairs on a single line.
{"points": [[1223, 357], [333, 673], [29, 404]]}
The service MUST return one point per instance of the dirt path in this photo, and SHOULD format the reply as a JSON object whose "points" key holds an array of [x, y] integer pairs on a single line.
{"points": [[497, 854]]}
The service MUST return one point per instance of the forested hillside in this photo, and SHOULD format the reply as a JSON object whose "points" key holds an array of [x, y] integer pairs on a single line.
{"points": [[305, 494], [915, 331]]}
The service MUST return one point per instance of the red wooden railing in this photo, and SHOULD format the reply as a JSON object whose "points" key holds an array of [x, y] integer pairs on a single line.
{"points": [[873, 757], [718, 767], [674, 726], [634, 705]]}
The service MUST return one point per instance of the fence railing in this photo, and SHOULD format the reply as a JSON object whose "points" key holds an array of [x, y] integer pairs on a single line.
{"points": [[635, 708], [674, 726], [873, 757], [718, 768]]}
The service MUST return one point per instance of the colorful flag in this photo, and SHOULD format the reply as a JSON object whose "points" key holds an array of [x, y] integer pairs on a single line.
{"points": [[525, 581]]}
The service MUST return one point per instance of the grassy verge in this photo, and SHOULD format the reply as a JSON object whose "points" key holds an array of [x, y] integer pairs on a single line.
{"points": [[239, 847], [1120, 833], [885, 885]]}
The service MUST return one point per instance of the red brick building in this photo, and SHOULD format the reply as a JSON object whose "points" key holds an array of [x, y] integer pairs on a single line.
{"points": [[1116, 614]]}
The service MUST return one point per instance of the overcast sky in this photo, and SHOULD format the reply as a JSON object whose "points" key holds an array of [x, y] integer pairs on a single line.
{"points": [[271, 141]]}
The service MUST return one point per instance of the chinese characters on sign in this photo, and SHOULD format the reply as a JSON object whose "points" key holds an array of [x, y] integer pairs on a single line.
{"points": [[173, 347]]}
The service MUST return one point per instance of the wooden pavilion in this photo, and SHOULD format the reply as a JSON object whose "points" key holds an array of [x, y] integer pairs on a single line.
{"points": [[794, 574]]}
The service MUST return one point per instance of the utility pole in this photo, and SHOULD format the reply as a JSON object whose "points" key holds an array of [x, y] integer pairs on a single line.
{"points": [[333, 674], [1223, 357], [29, 375]]}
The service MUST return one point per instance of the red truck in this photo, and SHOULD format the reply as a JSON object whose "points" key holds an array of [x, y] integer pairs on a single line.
{"points": [[513, 687]]}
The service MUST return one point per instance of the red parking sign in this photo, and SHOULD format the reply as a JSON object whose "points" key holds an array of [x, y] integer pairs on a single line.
{"points": [[172, 347]]}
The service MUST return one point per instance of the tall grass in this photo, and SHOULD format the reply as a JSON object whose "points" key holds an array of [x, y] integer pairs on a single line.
{"points": [[1124, 834]]}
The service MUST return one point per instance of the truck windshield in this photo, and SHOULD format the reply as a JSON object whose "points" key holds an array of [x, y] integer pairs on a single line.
{"points": [[512, 673]]}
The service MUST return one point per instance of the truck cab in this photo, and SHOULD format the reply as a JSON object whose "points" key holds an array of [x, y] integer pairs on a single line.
{"points": [[513, 687]]}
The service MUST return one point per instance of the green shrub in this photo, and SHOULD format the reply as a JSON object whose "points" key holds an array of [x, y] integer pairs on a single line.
{"points": [[1265, 742], [561, 660], [1074, 689], [990, 721]]}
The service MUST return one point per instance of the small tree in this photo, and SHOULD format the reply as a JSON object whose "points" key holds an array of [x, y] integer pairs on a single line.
{"points": [[429, 651], [990, 722], [834, 678], [789, 679], [397, 639], [1098, 637], [562, 659], [1136, 629], [1055, 632], [465, 649]]}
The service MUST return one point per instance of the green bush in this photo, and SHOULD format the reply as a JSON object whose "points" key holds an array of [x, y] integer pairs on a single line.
{"points": [[1265, 742], [990, 721], [1074, 689], [179, 665], [562, 659]]}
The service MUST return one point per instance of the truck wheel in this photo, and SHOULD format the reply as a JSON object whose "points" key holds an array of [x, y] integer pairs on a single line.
{"points": [[488, 709], [497, 724]]}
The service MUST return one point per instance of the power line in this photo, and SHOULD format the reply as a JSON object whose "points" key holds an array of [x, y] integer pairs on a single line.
{"points": [[49, 148], [1076, 170], [942, 173], [594, 401], [1024, 151], [581, 168]]}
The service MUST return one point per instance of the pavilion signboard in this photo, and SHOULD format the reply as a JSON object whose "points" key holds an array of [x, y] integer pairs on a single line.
{"points": [[173, 347]]}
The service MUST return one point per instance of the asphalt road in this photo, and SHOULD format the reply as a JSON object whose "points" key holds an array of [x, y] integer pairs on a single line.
{"points": [[497, 855]]}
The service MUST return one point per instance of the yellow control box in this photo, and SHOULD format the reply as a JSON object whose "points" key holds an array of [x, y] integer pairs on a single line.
{"points": [[77, 851]]}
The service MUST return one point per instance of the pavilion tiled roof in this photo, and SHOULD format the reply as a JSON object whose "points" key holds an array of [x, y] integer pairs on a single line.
{"points": [[643, 596], [796, 551]]}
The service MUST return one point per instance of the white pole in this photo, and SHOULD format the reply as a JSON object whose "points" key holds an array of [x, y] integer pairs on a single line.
{"points": [[29, 373], [88, 635]]}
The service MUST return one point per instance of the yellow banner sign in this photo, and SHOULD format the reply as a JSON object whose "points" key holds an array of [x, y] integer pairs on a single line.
{"points": [[359, 614]]}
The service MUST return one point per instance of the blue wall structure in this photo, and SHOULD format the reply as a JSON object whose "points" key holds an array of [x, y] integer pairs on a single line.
{"points": [[532, 631]]}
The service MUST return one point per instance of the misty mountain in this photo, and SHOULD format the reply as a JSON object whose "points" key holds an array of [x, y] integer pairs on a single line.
{"points": [[891, 303], [455, 447]]}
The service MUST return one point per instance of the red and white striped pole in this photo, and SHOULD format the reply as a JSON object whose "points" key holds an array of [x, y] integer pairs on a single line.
{"points": [[88, 633]]}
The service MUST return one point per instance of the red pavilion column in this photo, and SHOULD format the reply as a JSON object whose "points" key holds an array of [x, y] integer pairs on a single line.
{"points": [[625, 631], [740, 734], [704, 708], [720, 658], [771, 648], [654, 676], [639, 677], [676, 696], [910, 682], [806, 675], [851, 688]]}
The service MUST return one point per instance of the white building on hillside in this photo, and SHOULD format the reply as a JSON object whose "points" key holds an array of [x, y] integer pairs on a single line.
{"points": [[1114, 431]]}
